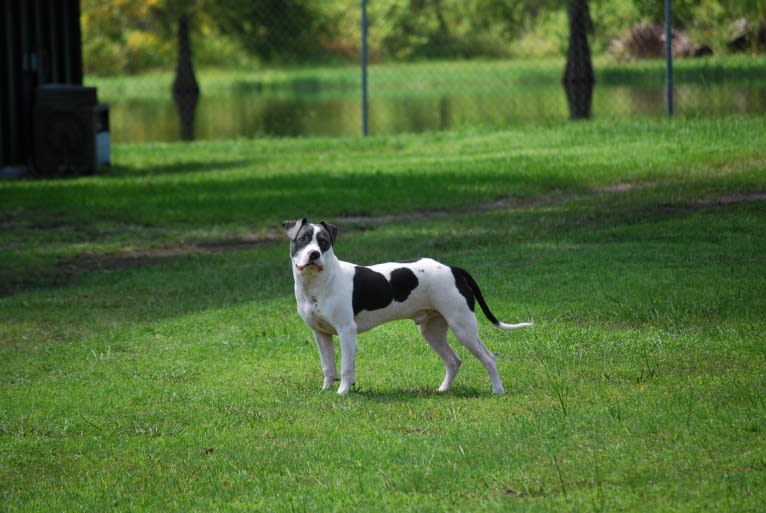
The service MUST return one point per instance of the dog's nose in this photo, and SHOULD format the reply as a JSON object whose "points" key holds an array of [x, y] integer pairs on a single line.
{"points": [[314, 255]]}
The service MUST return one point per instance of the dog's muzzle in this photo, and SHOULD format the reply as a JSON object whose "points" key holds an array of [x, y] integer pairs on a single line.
{"points": [[313, 262]]}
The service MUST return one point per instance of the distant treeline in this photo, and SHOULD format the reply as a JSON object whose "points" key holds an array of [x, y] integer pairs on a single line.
{"points": [[128, 36]]}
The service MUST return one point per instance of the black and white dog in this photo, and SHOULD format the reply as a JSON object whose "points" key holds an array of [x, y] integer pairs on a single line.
{"points": [[341, 298]]}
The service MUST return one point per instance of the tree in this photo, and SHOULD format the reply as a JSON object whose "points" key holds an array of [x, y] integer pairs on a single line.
{"points": [[133, 35], [121, 36], [578, 76], [274, 30], [185, 86]]}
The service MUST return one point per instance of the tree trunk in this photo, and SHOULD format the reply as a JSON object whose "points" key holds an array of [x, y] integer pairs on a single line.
{"points": [[578, 77], [185, 86]]}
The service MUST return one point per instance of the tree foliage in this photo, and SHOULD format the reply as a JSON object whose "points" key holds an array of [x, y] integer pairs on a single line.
{"points": [[133, 35], [287, 30]]}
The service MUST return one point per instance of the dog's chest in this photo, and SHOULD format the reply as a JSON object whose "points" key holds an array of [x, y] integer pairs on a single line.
{"points": [[315, 312]]}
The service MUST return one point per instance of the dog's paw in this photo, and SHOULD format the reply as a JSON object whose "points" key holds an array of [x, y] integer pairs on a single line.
{"points": [[344, 388]]}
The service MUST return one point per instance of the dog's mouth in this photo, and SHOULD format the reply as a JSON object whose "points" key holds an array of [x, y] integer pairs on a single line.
{"points": [[311, 265]]}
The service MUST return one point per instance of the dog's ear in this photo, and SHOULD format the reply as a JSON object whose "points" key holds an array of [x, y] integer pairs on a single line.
{"points": [[292, 227], [332, 229]]}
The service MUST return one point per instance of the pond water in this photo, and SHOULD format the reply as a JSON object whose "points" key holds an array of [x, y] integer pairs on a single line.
{"points": [[250, 112]]}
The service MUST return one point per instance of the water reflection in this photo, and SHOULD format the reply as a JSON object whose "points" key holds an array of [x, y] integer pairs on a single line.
{"points": [[186, 106], [308, 110]]}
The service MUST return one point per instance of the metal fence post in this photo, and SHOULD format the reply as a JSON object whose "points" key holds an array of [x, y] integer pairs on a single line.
{"points": [[363, 59], [668, 59]]}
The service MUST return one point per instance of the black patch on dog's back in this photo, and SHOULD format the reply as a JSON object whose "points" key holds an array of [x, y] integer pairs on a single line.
{"points": [[372, 291], [403, 281]]}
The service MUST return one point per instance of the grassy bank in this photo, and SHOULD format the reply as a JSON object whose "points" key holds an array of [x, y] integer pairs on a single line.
{"points": [[151, 358], [432, 75]]}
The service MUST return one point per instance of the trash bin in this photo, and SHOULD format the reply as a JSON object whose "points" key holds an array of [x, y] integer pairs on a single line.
{"points": [[71, 130]]}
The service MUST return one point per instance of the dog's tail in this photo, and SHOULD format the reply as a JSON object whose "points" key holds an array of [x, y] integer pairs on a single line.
{"points": [[474, 288]]}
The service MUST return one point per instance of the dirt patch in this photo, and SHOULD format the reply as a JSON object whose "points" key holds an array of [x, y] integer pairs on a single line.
{"points": [[64, 271], [500, 204], [147, 256], [714, 202], [85, 262], [731, 199], [618, 187]]}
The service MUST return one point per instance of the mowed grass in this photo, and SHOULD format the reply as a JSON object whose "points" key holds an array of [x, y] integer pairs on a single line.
{"points": [[151, 358]]}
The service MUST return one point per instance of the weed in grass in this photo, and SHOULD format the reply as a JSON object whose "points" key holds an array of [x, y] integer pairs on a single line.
{"points": [[598, 500], [689, 400], [614, 410], [560, 475], [560, 389], [650, 365]]}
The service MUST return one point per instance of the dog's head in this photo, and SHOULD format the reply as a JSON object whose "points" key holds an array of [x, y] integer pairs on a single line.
{"points": [[310, 244]]}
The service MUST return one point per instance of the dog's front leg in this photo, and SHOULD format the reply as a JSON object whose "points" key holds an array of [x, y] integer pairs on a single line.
{"points": [[347, 337], [327, 357]]}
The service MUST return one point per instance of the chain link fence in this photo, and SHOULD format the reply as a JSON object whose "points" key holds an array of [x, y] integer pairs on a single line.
{"points": [[178, 69]]}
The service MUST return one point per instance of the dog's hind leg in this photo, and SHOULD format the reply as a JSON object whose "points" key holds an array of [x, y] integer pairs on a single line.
{"points": [[434, 330], [327, 357], [466, 332]]}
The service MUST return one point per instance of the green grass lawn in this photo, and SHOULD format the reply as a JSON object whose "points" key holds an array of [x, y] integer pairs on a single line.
{"points": [[151, 358]]}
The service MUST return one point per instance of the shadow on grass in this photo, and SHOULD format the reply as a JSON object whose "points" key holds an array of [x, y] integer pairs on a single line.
{"points": [[188, 277], [142, 197], [172, 168], [404, 394]]}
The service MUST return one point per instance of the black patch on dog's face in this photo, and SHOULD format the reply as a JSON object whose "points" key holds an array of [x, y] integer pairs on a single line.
{"points": [[325, 235], [324, 239], [332, 231], [302, 239], [463, 287], [372, 291]]}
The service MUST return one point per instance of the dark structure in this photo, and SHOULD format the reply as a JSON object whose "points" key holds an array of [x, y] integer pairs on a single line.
{"points": [[49, 122], [578, 77]]}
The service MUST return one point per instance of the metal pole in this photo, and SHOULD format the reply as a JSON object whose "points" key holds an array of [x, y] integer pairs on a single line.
{"points": [[363, 58], [668, 59]]}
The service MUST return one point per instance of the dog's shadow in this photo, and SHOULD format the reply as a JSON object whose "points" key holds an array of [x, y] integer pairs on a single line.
{"points": [[401, 395]]}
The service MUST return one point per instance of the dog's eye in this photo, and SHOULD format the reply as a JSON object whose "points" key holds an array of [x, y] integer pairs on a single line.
{"points": [[304, 238]]}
